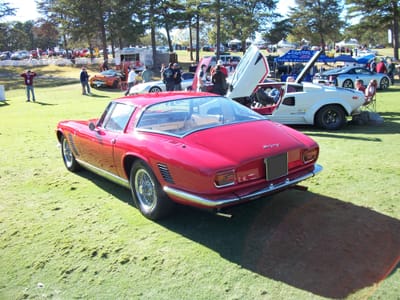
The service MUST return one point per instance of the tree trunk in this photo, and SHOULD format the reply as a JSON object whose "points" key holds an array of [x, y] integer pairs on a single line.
{"points": [[395, 30]]}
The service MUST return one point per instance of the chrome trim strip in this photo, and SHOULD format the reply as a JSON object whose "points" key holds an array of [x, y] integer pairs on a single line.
{"points": [[108, 175], [205, 202]]}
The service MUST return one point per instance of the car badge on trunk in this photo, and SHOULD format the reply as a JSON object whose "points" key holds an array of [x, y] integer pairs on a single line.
{"points": [[271, 146]]}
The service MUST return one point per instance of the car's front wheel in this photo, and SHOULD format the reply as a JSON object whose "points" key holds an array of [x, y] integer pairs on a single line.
{"points": [[348, 83], [384, 84], [147, 192], [115, 84], [68, 156], [155, 89], [330, 117]]}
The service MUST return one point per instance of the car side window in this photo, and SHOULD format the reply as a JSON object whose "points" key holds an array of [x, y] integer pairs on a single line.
{"points": [[117, 117]]}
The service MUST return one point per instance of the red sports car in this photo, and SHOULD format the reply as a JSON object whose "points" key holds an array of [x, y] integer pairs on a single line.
{"points": [[196, 149]]}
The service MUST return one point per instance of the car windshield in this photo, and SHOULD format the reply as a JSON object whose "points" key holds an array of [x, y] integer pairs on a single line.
{"points": [[108, 73], [184, 116]]}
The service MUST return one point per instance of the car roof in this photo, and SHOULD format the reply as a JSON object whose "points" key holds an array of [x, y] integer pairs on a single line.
{"points": [[339, 70], [142, 100]]}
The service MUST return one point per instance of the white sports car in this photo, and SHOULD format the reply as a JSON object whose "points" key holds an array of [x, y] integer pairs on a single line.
{"points": [[293, 102], [159, 86]]}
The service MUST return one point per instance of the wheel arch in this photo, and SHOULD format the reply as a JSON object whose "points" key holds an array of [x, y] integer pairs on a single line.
{"points": [[129, 160], [313, 111]]}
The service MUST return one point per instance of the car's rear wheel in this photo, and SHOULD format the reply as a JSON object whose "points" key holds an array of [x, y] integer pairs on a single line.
{"points": [[147, 192], [330, 117], [68, 156], [384, 84], [348, 83], [155, 89]]}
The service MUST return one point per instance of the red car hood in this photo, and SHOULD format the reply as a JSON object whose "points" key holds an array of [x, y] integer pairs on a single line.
{"points": [[240, 142]]}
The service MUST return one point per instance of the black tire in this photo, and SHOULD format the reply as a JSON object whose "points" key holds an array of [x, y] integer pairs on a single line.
{"points": [[115, 84], [155, 89], [348, 83], [330, 117], [68, 157], [147, 192], [384, 84]]}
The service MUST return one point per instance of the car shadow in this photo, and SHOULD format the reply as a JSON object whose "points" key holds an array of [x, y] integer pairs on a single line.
{"points": [[390, 126], [312, 242]]}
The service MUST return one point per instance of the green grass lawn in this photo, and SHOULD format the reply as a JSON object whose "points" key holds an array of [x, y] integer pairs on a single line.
{"points": [[78, 236]]}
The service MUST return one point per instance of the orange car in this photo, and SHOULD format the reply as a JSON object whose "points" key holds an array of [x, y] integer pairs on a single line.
{"points": [[108, 78]]}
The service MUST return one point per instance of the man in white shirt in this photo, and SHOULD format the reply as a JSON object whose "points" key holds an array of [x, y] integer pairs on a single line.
{"points": [[131, 80]]}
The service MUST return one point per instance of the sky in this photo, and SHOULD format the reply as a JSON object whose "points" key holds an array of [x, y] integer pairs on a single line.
{"points": [[27, 9]]}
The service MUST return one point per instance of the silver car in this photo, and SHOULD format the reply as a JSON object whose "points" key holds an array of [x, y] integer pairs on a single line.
{"points": [[159, 86], [347, 76]]}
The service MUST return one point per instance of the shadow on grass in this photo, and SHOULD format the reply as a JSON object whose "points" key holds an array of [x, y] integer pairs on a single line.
{"points": [[315, 243], [4, 103], [97, 95], [312, 242], [391, 125]]}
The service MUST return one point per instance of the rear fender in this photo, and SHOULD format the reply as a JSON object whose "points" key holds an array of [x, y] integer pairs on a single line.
{"points": [[310, 114]]}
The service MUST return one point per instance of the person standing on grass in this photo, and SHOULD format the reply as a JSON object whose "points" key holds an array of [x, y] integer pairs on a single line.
{"points": [[131, 80], [168, 78], [147, 74], [177, 77], [28, 79], [84, 77]]}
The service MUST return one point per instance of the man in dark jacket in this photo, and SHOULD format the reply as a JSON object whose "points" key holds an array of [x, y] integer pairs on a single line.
{"points": [[177, 77], [84, 77], [168, 78]]}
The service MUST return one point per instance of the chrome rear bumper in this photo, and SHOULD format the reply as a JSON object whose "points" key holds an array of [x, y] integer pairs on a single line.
{"points": [[209, 203]]}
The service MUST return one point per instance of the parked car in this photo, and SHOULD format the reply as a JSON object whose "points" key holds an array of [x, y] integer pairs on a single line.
{"points": [[227, 59], [298, 102], [347, 76], [19, 55], [5, 55], [107, 79], [196, 149], [159, 86]]}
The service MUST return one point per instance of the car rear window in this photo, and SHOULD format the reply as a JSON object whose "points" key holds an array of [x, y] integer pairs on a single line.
{"points": [[181, 117]]}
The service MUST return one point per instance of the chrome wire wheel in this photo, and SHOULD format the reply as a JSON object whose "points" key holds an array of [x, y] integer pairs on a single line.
{"points": [[68, 156], [147, 193], [145, 190]]}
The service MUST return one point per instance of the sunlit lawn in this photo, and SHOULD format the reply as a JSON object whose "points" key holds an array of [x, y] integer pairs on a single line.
{"points": [[77, 236]]}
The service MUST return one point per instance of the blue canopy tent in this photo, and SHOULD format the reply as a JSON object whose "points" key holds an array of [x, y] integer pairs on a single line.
{"points": [[302, 56]]}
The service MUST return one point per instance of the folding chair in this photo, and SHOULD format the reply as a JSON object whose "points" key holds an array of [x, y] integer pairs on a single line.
{"points": [[370, 96]]}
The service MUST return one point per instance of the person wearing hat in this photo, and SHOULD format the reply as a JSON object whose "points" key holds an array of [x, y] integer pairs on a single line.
{"points": [[28, 80], [221, 67], [177, 77]]}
